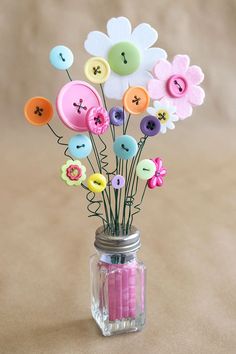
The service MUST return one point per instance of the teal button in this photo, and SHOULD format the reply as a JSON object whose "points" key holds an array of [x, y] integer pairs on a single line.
{"points": [[61, 57], [124, 58], [80, 146], [145, 169], [125, 147]]}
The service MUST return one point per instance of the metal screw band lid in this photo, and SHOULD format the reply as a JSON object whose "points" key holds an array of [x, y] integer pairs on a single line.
{"points": [[117, 244]]}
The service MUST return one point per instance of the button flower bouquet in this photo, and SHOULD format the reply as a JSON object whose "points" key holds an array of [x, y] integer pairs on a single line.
{"points": [[125, 67]]}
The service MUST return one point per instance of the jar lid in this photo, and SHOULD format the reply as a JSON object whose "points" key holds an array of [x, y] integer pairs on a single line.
{"points": [[117, 244]]}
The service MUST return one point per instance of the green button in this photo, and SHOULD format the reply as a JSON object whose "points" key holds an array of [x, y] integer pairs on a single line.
{"points": [[145, 169], [124, 58]]}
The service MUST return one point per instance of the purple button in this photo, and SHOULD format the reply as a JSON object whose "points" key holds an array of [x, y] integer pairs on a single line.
{"points": [[118, 182], [116, 115], [73, 102], [177, 86], [150, 125]]}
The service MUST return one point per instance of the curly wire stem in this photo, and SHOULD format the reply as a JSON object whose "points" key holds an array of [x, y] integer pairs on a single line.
{"points": [[137, 206]]}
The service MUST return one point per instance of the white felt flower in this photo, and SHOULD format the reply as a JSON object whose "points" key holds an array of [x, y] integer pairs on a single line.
{"points": [[165, 112], [128, 53]]}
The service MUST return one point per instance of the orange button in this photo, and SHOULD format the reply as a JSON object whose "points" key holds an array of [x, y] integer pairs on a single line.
{"points": [[38, 110], [136, 100]]}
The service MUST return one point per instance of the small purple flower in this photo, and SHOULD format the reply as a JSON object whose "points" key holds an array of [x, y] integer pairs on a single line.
{"points": [[116, 115]]}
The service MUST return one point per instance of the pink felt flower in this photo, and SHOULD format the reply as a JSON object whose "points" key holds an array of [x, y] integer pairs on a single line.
{"points": [[157, 179], [179, 82], [97, 120]]}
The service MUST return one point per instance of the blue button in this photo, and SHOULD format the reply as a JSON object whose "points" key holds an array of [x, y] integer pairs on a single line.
{"points": [[61, 57], [125, 147], [80, 146]]}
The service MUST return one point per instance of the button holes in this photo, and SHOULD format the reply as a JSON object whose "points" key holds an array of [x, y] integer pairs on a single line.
{"points": [[80, 146], [125, 148], [62, 58], [178, 85], [97, 70], [97, 120], [117, 115], [162, 116], [146, 169], [136, 100], [80, 106], [123, 55], [96, 182], [150, 125], [38, 111]]}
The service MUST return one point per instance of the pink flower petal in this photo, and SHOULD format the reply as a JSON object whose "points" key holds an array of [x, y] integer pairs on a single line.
{"points": [[152, 182], [196, 95], [163, 172], [159, 181], [162, 70], [183, 108], [156, 89], [180, 64], [158, 163], [195, 75]]}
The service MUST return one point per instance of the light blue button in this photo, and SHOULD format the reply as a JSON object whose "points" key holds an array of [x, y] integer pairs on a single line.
{"points": [[61, 57], [125, 147], [80, 146]]}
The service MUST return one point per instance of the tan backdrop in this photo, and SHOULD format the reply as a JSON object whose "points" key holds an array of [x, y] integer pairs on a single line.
{"points": [[188, 227]]}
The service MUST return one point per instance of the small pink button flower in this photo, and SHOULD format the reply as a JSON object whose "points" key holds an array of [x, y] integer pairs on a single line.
{"points": [[157, 179], [179, 82], [97, 120], [73, 172]]}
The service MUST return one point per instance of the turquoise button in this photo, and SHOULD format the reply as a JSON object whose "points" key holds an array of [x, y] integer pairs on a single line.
{"points": [[124, 58], [61, 57], [125, 147], [145, 169], [80, 146]]}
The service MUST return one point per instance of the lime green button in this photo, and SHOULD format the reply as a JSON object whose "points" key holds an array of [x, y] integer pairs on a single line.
{"points": [[124, 58], [145, 169]]}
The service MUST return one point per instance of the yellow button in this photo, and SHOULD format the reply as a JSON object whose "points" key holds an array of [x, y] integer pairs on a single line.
{"points": [[136, 100], [97, 70], [96, 183]]}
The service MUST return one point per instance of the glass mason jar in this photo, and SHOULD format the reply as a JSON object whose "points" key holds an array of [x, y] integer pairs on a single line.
{"points": [[117, 283]]}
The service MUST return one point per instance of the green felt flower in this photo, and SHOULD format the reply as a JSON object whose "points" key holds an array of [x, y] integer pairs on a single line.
{"points": [[73, 172]]}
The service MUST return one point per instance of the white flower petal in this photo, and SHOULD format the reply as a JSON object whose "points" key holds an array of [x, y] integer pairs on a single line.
{"points": [[98, 44], [119, 29], [157, 104], [174, 118], [139, 78], [144, 36], [116, 86], [152, 111], [170, 125], [151, 56], [163, 128]]}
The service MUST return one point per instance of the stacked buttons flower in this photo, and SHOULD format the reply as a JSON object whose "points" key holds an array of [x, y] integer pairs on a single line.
{"points": [[97, 120], [165, 112], [127, 52], [157, 179], [178, 82], [73, 172]]}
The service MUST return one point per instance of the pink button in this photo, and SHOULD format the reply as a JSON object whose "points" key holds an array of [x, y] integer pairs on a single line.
{"points": [[177, 86], [73, 102]]}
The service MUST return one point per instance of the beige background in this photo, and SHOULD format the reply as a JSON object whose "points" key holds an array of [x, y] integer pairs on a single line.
{"points": [[188, 227]]}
